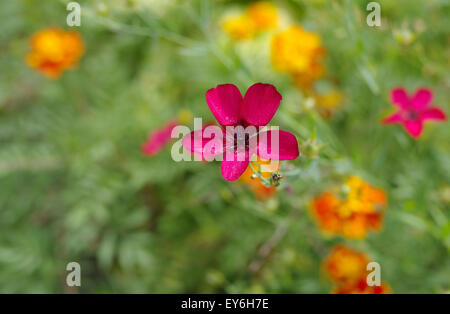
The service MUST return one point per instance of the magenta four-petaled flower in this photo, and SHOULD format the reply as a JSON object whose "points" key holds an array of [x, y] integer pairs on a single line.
{"points": [[234, 112], [413, 111]]}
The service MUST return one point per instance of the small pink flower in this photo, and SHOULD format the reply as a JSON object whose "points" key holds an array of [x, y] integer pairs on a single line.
{"points": [[255, 109], [158, 138], [413, 111]]}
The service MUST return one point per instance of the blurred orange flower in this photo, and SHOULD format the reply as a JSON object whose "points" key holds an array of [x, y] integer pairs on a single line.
{"points": [[346, 267], [263, 14], [266, 167], [351, 210], [305, 79], [298, 52], [361, 287], [54, 50], [259, 16]]}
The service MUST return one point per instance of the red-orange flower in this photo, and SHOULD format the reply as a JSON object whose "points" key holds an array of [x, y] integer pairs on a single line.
{"points": [[351, 210], [54, 50], [347, 269], [345, 266], [361, 287]]}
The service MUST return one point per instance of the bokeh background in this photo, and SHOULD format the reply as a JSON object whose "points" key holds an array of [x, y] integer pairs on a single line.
{"points": [[75, 185]]}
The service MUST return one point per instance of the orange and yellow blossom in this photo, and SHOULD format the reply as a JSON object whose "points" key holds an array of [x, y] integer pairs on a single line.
{"points": [[345, 265], [266, 167], [54, 50], [263, 14], [259, 16], [298, 52], [350, 211], [346, 268], [305, 80], [239, 27], [361, 287]]}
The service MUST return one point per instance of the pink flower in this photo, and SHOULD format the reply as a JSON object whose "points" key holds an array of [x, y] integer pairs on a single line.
{"points": [[413, 111], [254, 110], [158, 138]]}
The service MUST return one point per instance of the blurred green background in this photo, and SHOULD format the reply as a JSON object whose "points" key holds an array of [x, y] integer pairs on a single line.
{"points": [[74, 185]]}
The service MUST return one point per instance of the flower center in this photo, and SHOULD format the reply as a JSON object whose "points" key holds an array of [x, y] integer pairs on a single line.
{"points": [[241, 139], [412, 115]]}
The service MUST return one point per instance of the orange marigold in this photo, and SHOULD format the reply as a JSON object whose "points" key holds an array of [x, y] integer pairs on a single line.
{"points": [[298, 52], [263, 14], [258, 17], [345, 266], [350, 211], [54, 50], [361, 287], [239, 27]]}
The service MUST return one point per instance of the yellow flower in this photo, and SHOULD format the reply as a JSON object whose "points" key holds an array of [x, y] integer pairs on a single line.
{"points": [[297, 51], [328, 103], [263, 14], [239, 27], [258, 17], [184, 116], [54, 50]]}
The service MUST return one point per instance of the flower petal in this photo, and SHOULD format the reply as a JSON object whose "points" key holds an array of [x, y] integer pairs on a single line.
{"points": [[232, 170], [225, 102], [433, 114], [204, 143], [394, 118], [422, 99], [277, 145], [414, 128], [261, 101], [400, 98], [158, 139]]}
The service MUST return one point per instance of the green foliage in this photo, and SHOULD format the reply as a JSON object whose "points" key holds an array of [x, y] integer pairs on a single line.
{"points": [[74, 185]]}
